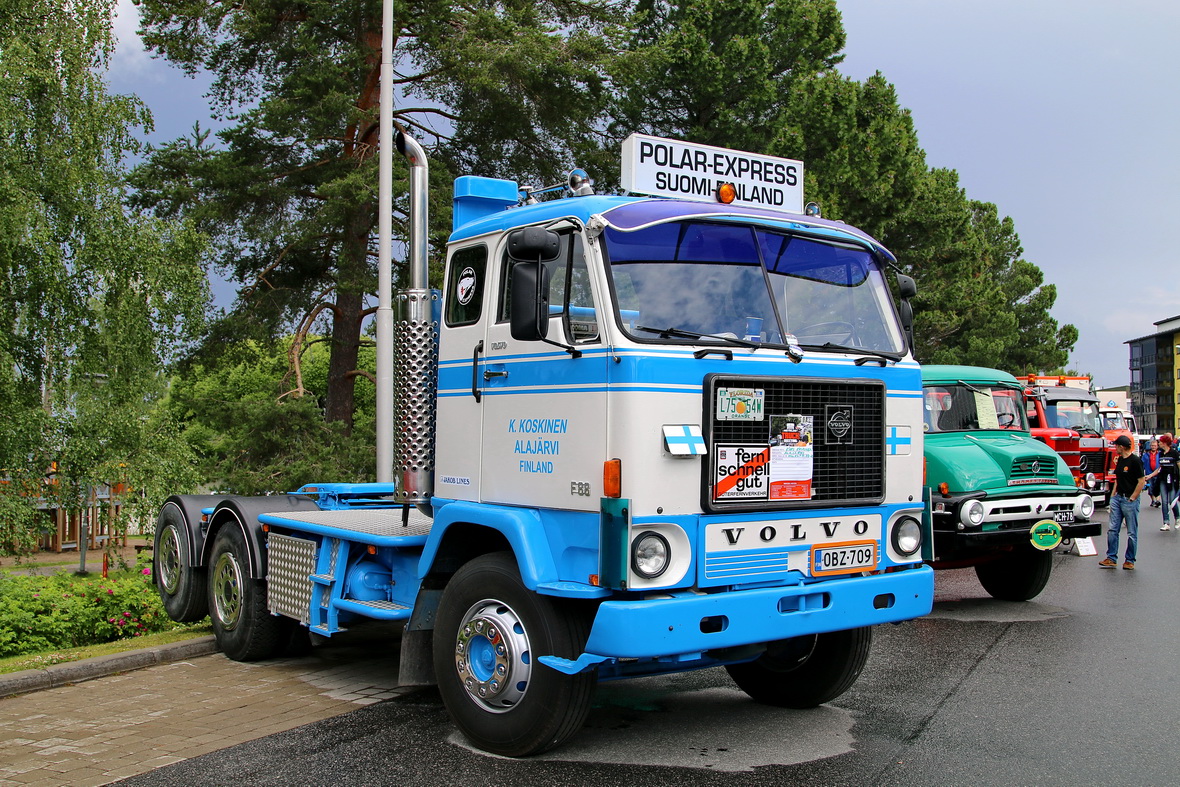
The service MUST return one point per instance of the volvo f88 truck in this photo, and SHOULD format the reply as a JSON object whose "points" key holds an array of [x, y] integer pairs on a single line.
{"points": [[635, 434]]}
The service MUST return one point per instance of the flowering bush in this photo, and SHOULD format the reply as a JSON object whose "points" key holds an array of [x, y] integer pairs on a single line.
{"points": [[41, 613]]}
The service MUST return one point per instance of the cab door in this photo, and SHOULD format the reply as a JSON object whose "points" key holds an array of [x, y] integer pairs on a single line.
{"points": [[544, 407]]}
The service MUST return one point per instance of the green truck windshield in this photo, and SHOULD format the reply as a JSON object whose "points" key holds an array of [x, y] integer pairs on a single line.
{"points": [[969, 408]]}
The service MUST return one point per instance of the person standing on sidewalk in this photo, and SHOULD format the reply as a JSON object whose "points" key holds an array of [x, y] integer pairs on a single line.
{"points": [[1169, 479], [1124, 505]]}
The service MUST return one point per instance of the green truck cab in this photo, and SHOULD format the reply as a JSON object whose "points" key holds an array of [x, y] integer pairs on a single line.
{"points": [[998, 499]]}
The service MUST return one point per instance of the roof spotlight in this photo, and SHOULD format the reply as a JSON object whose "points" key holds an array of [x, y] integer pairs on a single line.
{"points": [[579, 182], [812, 209]]}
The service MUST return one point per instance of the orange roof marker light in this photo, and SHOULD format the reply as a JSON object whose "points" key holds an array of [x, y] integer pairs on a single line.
{"points": [[726, 193]]}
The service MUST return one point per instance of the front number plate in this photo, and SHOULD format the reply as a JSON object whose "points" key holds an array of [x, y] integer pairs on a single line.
{"points": [[847, 558], [1063, 517]]}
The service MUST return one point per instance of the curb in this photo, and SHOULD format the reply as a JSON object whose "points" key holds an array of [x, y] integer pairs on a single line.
{"points": [[100, 666]]}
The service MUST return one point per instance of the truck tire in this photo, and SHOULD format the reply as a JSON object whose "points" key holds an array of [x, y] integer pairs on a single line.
{"points": [[181, 585], [803, 672], [1018, 575], [489, 632], [244, 629]]}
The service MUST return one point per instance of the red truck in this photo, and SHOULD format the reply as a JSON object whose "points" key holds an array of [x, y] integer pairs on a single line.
{"points": [[1066, 419]]}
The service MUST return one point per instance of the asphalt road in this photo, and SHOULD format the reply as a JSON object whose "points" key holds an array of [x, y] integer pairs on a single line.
{"points": [[1078, 687]]}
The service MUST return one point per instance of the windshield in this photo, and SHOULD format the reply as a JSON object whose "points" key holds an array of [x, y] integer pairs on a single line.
{"points": [[1112, 421], [724, 281], [968, 408], [1080, 416]]}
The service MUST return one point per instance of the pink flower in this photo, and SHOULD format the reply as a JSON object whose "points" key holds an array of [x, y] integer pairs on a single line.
{"points": [[147, 572], [110, 592]]}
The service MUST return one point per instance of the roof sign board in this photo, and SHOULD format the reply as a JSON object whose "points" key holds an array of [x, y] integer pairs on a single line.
{"points": [[683, 170]]}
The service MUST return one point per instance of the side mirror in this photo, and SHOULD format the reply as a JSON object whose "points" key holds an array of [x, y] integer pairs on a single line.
{"points": [[906, 288], [533, 244], [530, 248], [530, 301]]}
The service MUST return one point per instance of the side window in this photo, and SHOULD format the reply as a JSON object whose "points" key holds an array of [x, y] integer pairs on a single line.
{"points": [[465, 285], [569, 292]]}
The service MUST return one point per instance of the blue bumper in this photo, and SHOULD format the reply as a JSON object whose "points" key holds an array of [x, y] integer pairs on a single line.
{"points": [[692, 624]]}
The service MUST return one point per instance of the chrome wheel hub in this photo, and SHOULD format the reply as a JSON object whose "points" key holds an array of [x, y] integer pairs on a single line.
{"points": [[492, 656], [168, 560], [227, 591]]}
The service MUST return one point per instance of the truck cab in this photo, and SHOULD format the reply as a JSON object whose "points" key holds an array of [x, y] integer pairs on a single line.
{"points": [[999, 499]]}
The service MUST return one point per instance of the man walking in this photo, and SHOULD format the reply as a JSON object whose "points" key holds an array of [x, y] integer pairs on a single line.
{"points": [[1124, 505]]}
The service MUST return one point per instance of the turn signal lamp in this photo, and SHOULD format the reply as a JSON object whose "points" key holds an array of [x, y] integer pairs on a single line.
{"points": [[612, 478], [945, 488], [726, 193]]}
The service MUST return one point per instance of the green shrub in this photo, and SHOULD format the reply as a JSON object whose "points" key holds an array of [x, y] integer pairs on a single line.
{"points": [[41, 613]]}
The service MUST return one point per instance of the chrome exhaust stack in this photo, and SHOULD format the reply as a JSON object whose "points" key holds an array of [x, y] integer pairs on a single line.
{"points": [[415, 362]]}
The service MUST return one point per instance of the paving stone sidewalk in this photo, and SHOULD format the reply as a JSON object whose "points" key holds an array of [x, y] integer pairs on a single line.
{"points": [[110, 728]]}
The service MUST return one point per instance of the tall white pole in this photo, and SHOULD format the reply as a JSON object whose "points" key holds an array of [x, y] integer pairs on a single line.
{"points": [[384, 259]]}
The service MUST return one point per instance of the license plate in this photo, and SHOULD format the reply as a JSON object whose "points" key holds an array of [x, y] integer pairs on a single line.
{"points": [[1063, 517], [846, 558]]}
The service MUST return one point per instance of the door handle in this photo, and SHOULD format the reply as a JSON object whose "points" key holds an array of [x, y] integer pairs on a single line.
{"points": [[490, 373], [475, 371]]}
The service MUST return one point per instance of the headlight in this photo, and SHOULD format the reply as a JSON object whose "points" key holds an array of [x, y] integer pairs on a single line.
{"points": [[971, 513], [650, 554], [1091, 479], [1084, 507], [907, 535]]}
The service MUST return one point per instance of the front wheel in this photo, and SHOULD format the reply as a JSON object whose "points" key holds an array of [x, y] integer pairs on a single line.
{"points": [[244, 629], [803, 672], [488, 635], [1018, 575]]}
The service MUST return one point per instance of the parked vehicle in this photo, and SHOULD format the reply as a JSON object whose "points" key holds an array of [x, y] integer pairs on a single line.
{"points": [[1000, 500], [1066, 418], [635, 435]]}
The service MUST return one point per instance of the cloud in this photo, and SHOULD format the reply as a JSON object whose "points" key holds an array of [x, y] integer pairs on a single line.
{"points": [[131, 60]]}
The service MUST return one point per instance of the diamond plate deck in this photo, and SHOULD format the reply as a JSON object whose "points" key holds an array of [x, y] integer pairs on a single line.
{"points": [[383, 523]]}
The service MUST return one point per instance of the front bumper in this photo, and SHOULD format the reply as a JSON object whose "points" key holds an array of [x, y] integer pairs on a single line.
{"points": [[963, 544], [694, 623]]}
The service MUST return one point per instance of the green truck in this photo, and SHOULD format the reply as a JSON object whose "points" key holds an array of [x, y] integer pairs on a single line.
{"points": [[998, 499]]}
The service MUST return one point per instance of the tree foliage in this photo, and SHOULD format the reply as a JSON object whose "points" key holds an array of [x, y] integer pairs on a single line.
{"points": [[289, 188], [250, 438], [93, 297]]}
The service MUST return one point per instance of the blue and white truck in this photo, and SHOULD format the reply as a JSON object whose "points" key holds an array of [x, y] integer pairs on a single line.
{"points": [[639, 434]]}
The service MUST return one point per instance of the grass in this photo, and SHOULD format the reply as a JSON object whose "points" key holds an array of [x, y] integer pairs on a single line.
{"points": [[42, 660]]}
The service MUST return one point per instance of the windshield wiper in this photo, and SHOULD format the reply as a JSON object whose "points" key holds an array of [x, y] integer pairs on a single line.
{"points": [[680, 333], [866, 355]]}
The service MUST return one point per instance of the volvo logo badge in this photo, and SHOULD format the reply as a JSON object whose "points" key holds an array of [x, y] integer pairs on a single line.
{"points": [[839, 424]]}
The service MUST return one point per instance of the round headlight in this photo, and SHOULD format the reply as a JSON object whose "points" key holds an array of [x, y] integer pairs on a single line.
{"points": [[1091, 479], [650, 554], [907, 535], [971, 513], [1084, 507]]}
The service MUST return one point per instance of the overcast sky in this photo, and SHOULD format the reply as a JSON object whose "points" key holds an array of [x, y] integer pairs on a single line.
{"points": [[1064, 113]]}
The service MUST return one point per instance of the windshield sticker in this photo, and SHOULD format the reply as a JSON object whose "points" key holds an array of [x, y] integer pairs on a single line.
{"points": [[466, 287], [985, 410], [742, 472], [791, 456], [740, 404]]}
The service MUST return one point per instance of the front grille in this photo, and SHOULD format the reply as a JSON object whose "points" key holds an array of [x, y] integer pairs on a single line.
{"points": [[848, 470], [1034, 467], [1093, 462]]}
